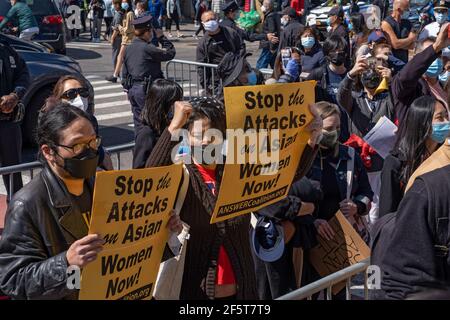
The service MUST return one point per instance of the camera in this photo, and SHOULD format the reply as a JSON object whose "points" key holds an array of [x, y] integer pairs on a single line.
{"points": [[285, 56]]}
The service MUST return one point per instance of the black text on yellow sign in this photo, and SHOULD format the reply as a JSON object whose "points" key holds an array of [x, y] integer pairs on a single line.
{"points": [[266, 137], [130, 210]]}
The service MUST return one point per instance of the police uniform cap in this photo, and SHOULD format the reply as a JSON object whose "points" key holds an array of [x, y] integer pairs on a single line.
{"points": [[441, 4], [144, 22], [230, 6]]}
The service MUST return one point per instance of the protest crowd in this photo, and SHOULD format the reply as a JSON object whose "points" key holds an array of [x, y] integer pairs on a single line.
{"points": [[372, 145]]}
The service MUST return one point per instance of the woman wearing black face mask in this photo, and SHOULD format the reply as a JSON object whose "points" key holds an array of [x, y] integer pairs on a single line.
{"points": [[156, 116], [364, 94], [331, 74], [47, 221]]}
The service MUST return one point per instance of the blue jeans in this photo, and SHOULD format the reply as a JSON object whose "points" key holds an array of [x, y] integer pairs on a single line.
{"points": [[265, 59]]}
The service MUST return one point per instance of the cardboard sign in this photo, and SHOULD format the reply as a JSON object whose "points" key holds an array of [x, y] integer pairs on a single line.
{"points": [[130, 211], [344, 250], [266, 137]]}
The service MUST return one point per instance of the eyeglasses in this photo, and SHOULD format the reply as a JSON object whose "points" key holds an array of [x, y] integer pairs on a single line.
{"points": [[73, 93], [80, 147]]}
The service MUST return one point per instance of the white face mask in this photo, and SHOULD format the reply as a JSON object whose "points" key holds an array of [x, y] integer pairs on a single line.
{"points": [[211, 26], [263, 9], [80, 102]]}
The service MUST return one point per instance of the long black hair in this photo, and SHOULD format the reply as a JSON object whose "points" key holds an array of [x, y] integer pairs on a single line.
{"points": [[55, 120], [163, 94], [412, 135]]}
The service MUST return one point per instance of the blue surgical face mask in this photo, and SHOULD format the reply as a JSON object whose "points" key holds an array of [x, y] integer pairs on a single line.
{"points": [[443, 77], [441, 18], [440, 131], [308, 42], [252, 79], [435, 69], [405, 14], [328, 21], [125, 6]]}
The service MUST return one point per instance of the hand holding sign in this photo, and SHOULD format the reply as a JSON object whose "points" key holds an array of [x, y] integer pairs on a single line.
{"points": [[324, 229], [315, 127], [348, 207], [85, 250], [182, 111], [174, 224]]}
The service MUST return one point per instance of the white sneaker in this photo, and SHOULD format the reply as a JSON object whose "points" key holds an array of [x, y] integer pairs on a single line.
{"points": [[169, 35]]}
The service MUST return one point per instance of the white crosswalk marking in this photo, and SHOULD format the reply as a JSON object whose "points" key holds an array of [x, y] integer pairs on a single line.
{"points": [[112, 107], [114, 86], [116, 115], [109, 95], [111, 104]]}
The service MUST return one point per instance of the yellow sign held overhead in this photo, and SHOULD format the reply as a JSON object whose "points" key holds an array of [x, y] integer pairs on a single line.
{"points": [[266, 137]]}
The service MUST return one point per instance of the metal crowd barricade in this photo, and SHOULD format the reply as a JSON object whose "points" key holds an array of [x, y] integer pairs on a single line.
{"points": [[185, 73], [329, 281], [32, 167]]}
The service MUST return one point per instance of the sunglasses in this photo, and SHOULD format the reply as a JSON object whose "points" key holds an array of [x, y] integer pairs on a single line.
{"points": [[93, 144], [73, 93]]}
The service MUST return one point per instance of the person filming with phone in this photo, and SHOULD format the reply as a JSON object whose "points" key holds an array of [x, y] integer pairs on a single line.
{"points": [[142, 64], [364, 94]]}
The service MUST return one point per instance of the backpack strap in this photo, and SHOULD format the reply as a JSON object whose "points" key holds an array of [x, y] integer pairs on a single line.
{"points": [[440, 218]]}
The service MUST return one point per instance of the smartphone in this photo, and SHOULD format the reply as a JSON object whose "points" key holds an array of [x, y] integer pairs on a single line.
{"points": [[286, 56]]}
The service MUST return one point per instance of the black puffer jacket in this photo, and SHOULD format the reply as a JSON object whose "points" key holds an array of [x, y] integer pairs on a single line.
{"points": [[41, 223]]}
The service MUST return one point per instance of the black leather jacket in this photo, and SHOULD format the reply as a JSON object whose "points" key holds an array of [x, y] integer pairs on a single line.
{"points": [[41, 223]]}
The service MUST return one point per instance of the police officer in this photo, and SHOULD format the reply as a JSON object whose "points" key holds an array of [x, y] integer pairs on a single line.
{"points": [[14, 81], [142, 64], [231, 12]]}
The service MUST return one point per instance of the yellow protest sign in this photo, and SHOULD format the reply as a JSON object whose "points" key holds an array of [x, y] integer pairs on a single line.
{"points": [[130, 211], [266, 137]]}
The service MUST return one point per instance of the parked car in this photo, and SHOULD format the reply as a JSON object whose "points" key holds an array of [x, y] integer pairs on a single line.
{"points": [[419, 9], [45, 70], [52, 28]]}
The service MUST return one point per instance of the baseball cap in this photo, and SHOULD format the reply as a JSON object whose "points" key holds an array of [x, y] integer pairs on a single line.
{"points": [[231, 66], [376, 36], [267, 239]]}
